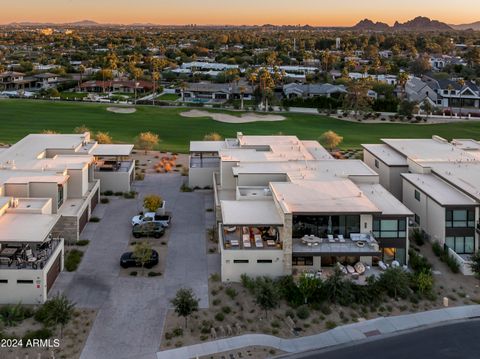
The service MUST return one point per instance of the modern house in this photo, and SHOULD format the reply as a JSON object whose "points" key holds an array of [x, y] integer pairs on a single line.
{"points": [[438, 181], [284, 206], [455, 96], [121, 86], [11, 80], [49, 186], [294, 90], [207, 92]]}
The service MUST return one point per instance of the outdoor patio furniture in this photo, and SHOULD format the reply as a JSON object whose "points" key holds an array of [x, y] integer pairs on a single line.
{"points": [[271, 243], [342, 268], [8, 252], [30, 256], [382, 265], [231, 229], [330, 238], [359, 267], [395, 264], [5, 261], [234, 242], [341, 239], [246, 241], [360, 244], [258, 241], [350, 269]]}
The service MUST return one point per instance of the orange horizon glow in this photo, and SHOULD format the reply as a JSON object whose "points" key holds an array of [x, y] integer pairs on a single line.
{"points": [[246, 12]]}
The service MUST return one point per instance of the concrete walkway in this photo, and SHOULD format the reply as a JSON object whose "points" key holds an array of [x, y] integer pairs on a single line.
{"points": [[346, 334]]}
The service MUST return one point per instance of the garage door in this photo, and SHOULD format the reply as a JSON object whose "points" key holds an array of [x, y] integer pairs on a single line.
{"points": [[53, 272], [94, 201], [83, 220]]}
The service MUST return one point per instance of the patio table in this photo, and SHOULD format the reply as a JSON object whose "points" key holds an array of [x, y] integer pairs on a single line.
{"points": [[234, 242], [8, 252], [270, 243]]}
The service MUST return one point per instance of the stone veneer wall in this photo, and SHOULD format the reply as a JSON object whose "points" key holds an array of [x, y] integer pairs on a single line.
{"points": [[287, 243], [67, 227]]}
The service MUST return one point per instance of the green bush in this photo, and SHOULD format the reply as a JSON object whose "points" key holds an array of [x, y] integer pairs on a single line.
{"points": [[133, 273], [108, 193], [248, 283], [154, 274], [206, 327], [83, 242], [418, 237], [73, 259], [94, 219], [177, 332], [43, 333], [104, 200], [226, 309], [129, 195], [216, 301], [303, 312], [418, 262], [437, 249], [118, 193], [11, 315], [330, 324], [231, 292], [220, 317]]}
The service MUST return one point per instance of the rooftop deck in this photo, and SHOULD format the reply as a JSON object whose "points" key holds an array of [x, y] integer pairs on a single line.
{"points": [[250, 238], [18, 256], [358, 244], [114, 166]]}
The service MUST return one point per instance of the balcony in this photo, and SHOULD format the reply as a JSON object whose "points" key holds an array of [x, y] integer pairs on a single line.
{"points": [[250, 238], [113, 166], [31, 256], [359, 244]]}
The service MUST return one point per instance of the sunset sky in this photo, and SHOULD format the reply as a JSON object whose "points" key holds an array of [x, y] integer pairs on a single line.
{"points": [[313, 12]]}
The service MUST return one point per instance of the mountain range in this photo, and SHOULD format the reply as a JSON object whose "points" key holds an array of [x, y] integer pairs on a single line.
{"points": [[420, 23], [473, 26]]}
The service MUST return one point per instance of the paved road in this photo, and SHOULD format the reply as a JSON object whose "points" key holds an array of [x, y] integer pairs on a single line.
{"points": [[457, 340], [131, 311]]}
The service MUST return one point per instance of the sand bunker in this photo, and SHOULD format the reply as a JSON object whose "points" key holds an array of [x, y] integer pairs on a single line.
{"points": [[121, 109], [223, 117]]}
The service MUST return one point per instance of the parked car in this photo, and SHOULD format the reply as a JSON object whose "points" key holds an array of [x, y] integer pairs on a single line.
{"points": [[149, 229], [128, 260], [151, 217]]}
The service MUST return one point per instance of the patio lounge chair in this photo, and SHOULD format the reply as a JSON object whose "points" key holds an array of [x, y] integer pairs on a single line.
{"points": [[341, 239], [382, 265], [258, 241], [350, 269], [359, 267], [330, 238], [30, 256]]}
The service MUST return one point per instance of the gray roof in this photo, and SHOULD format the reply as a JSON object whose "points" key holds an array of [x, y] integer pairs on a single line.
{"points": [[314, 89]]}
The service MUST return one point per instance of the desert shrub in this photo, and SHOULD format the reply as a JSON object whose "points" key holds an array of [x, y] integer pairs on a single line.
{"points": [[437, 249], [177, 332], [154, 274], [231, 292], [303, 312], [10, 315], [330, 324], [220, 317], [216, 301], [226, 309], [206, 327], [108, 193], [104, 200], [248, 283], [94, 219], [215, 277], [133, 273], [73, 259], [83, 242], [418, 237]]}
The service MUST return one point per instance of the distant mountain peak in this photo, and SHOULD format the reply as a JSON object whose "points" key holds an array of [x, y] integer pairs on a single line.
{"points": [[420, 23]]}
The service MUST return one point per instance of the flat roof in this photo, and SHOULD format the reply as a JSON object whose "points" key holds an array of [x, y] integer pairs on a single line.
{"points": [[334, 196], [438, 189], [112, 150], [384, 200], [22, 227], [206, 146], [35, 179], [386, 154], [249, 212]]}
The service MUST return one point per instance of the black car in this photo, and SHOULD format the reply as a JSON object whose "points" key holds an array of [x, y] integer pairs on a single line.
{"points": [[128, 260]]}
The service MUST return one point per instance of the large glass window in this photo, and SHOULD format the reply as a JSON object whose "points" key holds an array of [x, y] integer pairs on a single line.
{"points": [[390, 228], [321, 226], [460, 218], [461, 245], [302, 261]]}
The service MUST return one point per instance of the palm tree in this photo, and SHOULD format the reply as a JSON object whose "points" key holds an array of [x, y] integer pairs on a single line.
{"points": [[81, 69], [402, 81], [242, 90], [450, 89], [183, 86], [461, 82]]}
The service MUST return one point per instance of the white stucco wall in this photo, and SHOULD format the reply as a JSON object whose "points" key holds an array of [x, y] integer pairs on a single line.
{"points": [[201, 177]]}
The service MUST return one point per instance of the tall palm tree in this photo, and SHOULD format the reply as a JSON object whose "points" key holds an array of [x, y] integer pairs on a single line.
{"points": [[402, 81], [461, 82], [242, 90], [183, 86], [81, 69]]}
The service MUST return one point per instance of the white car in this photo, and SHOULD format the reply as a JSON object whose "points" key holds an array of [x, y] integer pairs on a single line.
{"points": [[151, 217]]}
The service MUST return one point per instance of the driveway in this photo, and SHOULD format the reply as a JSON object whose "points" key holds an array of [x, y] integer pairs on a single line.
{"points": [[132, 311]]}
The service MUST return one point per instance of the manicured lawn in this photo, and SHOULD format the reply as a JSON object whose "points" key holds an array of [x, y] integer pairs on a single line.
{"points": [[21, 117], [169, 97]]}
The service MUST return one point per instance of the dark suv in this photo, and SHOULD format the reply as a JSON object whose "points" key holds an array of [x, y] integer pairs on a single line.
{"points": [[128, 260], [149, 229]]}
